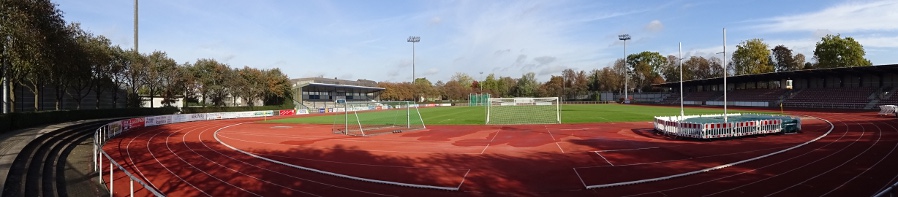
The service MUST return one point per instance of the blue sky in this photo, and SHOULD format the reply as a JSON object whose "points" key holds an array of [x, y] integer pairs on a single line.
{"points": [[366, 39]]}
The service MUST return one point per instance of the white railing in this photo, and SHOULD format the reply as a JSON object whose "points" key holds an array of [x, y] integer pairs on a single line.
{"points": [[739, 103], [678, 126]]}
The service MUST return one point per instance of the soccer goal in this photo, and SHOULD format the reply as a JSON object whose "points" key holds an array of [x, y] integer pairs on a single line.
{"points": [[545, 110], [373, 118]]}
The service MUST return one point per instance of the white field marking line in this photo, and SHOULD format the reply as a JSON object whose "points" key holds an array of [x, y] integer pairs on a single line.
{"points": [[840, 165], [752, 170], [463, 178], [491, 141], [369, 150], [169, 170], [603, 157], [281, 173], [184, 142], [711, 168], [578, 177], [629, 149], [793, 169], [200, 170], [328, 172], [874, 165]]}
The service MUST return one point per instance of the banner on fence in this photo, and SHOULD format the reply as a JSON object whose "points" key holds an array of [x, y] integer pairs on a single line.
{"points": [[287, 112], [302, 111]]}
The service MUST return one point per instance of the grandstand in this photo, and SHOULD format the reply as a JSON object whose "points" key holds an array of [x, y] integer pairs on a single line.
{"points": [[317, 93], [838, 88]]}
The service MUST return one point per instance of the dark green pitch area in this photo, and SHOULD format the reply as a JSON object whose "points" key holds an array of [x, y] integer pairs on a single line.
{"points": [[585, 113]]}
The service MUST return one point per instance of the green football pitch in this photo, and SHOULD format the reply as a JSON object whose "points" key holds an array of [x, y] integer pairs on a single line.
{"points": [[580, 113]]}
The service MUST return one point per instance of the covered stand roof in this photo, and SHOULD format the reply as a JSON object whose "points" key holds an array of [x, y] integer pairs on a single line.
{"points": [[889, 68], [319, 84]]}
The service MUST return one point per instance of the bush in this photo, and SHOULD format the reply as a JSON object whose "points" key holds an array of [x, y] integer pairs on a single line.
{"points": [[19, 120]]}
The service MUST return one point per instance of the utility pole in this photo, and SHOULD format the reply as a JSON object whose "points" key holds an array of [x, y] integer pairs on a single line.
{"points": [[625, 37]]}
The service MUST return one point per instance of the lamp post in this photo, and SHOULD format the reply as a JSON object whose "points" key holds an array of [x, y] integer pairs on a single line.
{"points": [[481, 82], [625, 37], [413, 40]]}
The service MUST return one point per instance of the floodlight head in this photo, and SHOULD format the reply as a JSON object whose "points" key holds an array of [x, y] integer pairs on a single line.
{"points": [[414, 39], [623, 37]]}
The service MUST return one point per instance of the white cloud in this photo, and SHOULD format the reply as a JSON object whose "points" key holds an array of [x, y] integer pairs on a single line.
{"points": [[654, 26], [844, 18]]}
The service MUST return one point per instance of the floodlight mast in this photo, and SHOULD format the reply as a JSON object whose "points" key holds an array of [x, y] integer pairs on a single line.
{"points": [[413, 40], [625, 37]]}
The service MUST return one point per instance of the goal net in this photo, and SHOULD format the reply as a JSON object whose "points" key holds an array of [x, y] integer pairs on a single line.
{"points": [[543, 110], [372, 118]]}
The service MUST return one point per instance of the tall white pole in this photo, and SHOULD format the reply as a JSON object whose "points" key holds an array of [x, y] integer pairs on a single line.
{"points": [[725, 73], [680, 62], [626, 74], [135, 26]]}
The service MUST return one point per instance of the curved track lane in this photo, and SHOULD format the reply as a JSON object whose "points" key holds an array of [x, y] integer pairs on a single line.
{"points": [[185, 159]]}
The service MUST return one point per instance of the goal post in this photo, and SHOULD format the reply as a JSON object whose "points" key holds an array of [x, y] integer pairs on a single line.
{"points": [[542, 110], [372, 118]]}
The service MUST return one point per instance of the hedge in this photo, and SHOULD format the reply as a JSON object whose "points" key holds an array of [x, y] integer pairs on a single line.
{"points": [[193, 110], [19, 120]]}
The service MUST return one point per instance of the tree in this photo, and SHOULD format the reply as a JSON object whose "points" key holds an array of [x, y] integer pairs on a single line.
{"points": [[798, 61], [32, 30], [424, 88], [491, 85], [752, 57], [646, 66], [784, 61], [671, 70], [278, 87], [463, 79], [527, 86], [506, 87], [553, 87], [833, 51]]}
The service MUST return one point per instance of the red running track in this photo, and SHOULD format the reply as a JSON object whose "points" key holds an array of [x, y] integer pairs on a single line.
{"points": [[856, 157]]}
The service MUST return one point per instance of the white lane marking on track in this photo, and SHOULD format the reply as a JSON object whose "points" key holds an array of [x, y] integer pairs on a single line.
{"points": [[752, 170], [603, 157], [200, 170], [184, 142], [491, 141], [328, 172], [281, 173], [369, 150], [559, 147], [578, 177], [169, 170], [840, 165], [463, 178], [874, 165], [629, 149]]}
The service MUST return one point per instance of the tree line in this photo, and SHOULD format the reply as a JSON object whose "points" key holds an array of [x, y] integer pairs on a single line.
{"points": [[645, 68], [39, 49]]}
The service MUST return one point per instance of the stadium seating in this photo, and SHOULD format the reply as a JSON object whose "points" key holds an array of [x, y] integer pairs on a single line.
{"points": [[768, 95], [855, 95]]}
